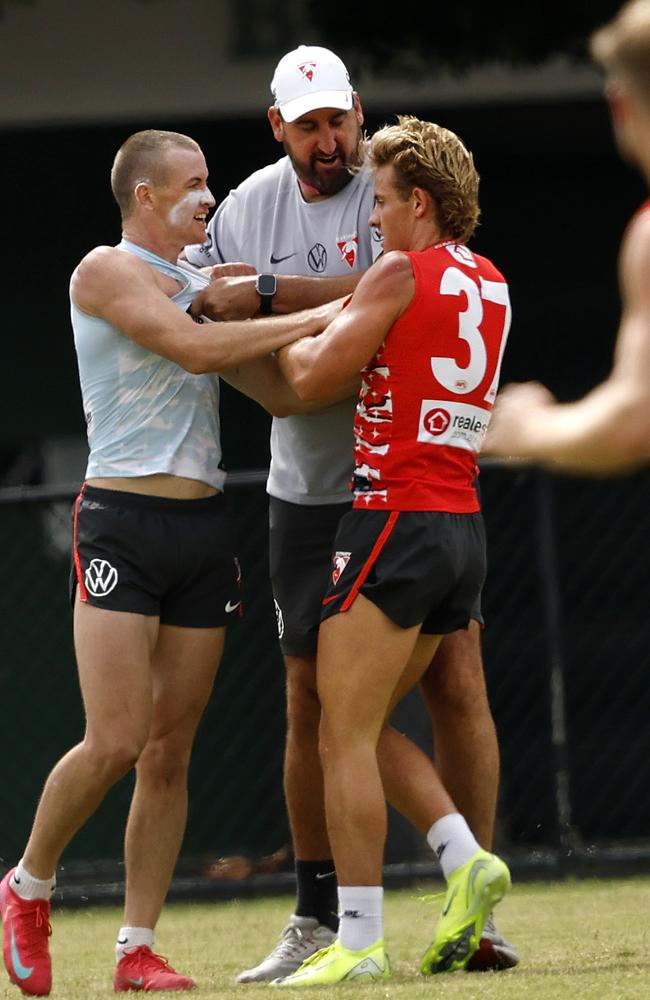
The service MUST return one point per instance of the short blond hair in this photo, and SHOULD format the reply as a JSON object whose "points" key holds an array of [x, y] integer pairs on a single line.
{"points": [[142, 159], [431, 157], [622, 46]]}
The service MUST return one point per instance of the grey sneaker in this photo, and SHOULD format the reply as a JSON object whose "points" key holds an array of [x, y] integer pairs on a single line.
{"points": [[301, 938], [494, 953]]}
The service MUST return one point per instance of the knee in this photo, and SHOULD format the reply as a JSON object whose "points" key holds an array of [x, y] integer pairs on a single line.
{"points": [[303, 706], [164, 762], [112, 760], [459, 697], [336, 740], [455, 681]]}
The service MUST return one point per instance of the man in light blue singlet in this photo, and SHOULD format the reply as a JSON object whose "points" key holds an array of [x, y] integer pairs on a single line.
{"points": [[155, 577], [301, 224]]}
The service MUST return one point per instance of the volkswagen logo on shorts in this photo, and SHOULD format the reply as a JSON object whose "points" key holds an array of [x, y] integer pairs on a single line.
{"points": [[317, 257], [100, 577]]}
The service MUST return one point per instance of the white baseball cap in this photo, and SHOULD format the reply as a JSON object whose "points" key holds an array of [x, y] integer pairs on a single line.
{"points": [[308, 78]]}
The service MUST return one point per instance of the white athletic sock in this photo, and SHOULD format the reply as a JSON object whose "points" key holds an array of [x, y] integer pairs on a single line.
{"points": [[361, 915], [28, 887], [453, 842], [130, 938]]}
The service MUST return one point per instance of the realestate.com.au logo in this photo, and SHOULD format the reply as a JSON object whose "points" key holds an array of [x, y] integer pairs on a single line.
{"points": [[436, 421]]}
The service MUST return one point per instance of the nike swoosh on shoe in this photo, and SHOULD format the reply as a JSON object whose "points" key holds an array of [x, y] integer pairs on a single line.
{"points": [[22, 971]]}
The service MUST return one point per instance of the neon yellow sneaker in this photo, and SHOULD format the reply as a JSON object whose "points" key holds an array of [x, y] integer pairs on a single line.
{"points": [[337, 964], [472, 891]]}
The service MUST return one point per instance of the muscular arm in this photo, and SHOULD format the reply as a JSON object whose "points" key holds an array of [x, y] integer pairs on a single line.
{"points": [[318, 366], [262, 380], [234, 297], [608, 430], [298, 292], [124, 291]]}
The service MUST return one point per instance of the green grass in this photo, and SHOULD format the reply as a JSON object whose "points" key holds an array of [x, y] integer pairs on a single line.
{"points": [[585, 940]]}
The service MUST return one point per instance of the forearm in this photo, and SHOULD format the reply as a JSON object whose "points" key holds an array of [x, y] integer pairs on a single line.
{"points": [[234, 297], [606, 432], [217, 346], [298, 292], [262, 380], [298, 363]]}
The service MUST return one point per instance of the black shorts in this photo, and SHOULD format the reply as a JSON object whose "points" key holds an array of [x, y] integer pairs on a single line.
{"points": [[301, 540], [418, 567], [173, 559]]}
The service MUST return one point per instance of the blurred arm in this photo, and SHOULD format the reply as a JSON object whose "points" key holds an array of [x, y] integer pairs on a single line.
{"points": [[608, 430]]}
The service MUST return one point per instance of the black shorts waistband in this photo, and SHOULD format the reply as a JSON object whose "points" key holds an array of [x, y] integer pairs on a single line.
{"points": [[122, 498]]}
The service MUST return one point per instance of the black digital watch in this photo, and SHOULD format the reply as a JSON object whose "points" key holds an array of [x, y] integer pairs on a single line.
{"points": [[266, 286]]}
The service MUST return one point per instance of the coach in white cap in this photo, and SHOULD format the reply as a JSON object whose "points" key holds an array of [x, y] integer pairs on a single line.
{"points": [[301, 224]]}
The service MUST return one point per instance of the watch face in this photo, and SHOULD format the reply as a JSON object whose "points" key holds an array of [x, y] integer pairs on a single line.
{"points": [[266, 284]]}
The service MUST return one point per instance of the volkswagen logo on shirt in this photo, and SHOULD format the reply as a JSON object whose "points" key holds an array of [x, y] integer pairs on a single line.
{"points": [[317, 257], [100, 577]]}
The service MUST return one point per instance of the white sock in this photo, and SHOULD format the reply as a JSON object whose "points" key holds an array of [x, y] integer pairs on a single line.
{"points": [[130, 938], [28, 887], [453, 842], [361, 915]]}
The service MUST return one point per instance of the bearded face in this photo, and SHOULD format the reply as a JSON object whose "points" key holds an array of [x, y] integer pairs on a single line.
{"points": [[322, 146]]}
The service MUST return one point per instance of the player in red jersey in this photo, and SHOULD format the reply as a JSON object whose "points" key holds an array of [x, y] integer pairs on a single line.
{"points": [[608, 430], [427, 326]]}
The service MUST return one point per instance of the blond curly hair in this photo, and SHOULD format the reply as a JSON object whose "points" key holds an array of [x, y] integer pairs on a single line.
{"points": [[431, 157]]}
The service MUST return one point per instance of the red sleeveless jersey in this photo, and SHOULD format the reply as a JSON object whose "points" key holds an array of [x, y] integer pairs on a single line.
{"points": [[426, 395]]}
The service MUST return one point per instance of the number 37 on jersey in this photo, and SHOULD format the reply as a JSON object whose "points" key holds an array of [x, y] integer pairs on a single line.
{"points": [[471, 343]]}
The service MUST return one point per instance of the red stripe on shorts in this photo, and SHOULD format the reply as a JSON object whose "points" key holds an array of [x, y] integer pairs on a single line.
{"points": [[83, 593], [372, 558]]}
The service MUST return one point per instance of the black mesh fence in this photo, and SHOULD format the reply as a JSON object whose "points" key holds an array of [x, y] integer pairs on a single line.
{"points": [[566, 647]]}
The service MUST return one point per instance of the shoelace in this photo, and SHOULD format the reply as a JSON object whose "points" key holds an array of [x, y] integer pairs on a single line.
{"points": [[292, 940], [35, 927], [143, 957], [318, 955]]}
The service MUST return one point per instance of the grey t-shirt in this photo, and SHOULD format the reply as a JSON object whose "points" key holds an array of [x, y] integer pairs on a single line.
{"points": [[267, 223]]}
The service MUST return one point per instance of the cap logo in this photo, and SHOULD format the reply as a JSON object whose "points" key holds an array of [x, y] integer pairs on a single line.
{"points": [[307, 70], [309, 78]]}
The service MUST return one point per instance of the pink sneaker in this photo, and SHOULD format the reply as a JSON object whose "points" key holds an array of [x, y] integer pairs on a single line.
{"points": [[25, 930], [142, 969]]}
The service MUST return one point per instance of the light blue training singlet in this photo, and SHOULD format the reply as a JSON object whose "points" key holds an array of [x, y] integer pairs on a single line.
{"points": [[144, 413]]}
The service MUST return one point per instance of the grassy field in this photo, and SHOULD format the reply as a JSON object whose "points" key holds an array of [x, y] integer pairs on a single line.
{"points": [[585, 940]]}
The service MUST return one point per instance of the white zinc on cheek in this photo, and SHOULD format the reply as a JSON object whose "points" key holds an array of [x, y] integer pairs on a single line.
{"points": [[187, 206]]}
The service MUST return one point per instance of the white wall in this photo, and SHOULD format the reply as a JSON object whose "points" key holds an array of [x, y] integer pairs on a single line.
{"points": [[86, 60]]}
